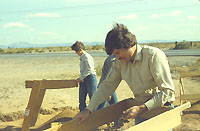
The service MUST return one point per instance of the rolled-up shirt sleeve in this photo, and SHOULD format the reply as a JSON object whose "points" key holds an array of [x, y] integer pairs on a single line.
{"points": [[108, 86], [160, 71]]}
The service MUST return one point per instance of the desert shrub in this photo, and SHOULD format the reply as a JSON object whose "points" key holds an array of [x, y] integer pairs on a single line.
{"points": [[196, 44], [97, 47], [183, 45], [20, 51], [198, 62], [1, 50], [88, 48]]}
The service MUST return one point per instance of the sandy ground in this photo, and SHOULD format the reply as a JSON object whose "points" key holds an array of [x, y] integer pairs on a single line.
{"points": [[14, 96]]}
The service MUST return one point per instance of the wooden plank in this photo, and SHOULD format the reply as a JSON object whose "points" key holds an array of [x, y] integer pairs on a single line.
{"points": [[106, 115], [54, 84], [31, 105], [154, 112], [54, 126], [69, 114], [146, 115], [162, 122], [113, 112], [190, 97], [190, 74], [99, 117], [37, 107]]}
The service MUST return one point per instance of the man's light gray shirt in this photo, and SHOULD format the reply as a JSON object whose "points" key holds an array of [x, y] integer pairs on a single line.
{"points": [[86, 65]]}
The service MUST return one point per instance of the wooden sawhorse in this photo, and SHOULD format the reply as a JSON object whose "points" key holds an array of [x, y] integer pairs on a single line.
{"points": [[36, 97], [187, 97]]}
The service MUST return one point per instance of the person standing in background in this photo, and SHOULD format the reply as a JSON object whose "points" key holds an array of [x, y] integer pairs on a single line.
{"points": [[105, 70], [87, 79]]}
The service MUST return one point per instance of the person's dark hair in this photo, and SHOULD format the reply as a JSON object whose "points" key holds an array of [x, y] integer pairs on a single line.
{"points": [[119, 38], [77, 46]]}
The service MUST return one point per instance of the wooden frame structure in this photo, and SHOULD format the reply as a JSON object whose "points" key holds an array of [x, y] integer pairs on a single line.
{"points": [[166, 116], [183, 96], [36, 97]]}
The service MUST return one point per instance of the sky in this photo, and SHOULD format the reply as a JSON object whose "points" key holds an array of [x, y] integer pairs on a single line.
{"points": [[66, 21]]}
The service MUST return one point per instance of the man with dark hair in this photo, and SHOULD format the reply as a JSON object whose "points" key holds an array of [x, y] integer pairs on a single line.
{"points": [[145, 69], [87, 79]]}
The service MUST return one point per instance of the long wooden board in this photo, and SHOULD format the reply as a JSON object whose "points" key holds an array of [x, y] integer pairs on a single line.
{"points": [[162, 122], [190, 74], [108, 114], [98, 118], [64, 114], [190, 97], [54, 84]]}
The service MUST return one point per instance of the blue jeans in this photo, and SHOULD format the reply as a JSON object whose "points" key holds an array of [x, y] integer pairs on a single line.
{"points": [[113, 100], [88, 86], [139, 120]]}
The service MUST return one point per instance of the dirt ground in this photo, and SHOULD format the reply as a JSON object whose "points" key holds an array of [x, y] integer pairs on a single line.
{"points": [[14, 96]]}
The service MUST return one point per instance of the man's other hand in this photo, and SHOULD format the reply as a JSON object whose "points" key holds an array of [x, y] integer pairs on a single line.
{"points": [[134, 111], [82, 116], [79, 80]]}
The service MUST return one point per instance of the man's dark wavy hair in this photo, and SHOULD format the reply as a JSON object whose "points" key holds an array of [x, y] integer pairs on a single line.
{"points": [[119, 38], [77, 46]]}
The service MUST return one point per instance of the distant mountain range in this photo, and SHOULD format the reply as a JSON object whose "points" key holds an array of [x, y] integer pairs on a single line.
{"points": [[28, 45]]}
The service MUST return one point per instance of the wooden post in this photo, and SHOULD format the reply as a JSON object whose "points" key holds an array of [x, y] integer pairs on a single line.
{"points": [[31, 105], [182, 91], [37, 107]]}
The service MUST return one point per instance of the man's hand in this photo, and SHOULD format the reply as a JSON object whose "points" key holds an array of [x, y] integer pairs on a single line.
{"points": [[134, 111], [82, 116], [79, 80]]}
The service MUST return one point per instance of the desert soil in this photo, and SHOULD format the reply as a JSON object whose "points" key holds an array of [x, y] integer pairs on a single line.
{"points": [[14, 96]]}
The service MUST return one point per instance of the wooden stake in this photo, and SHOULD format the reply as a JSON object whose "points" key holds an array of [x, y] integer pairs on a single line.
{"points": [[37, 106], [31, 105]]}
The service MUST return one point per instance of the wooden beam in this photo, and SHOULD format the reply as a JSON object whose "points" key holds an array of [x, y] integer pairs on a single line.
{"points": [[54, 84], [190, 97], [37, 106], [162, 122], [190, 74], [99, 117], [69, 114], [54, 126], [106, 115], [31, 105]]}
